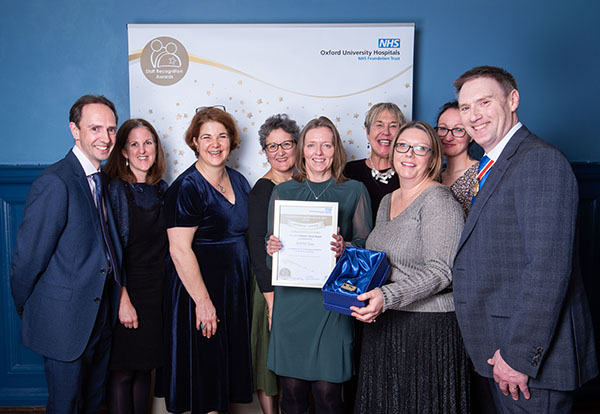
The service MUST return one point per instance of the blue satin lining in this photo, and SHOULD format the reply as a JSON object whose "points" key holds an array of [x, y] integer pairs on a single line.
{"points": [[355, 267]]}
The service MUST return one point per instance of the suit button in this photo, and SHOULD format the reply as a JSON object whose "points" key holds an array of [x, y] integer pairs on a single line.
{"points": [[103, 271], [96, 300]]}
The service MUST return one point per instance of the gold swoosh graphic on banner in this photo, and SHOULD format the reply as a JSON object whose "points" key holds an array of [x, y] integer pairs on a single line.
{"points": [[207, 62]]}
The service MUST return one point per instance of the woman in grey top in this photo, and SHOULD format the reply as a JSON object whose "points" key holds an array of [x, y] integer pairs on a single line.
{"points": [[413, 359]]}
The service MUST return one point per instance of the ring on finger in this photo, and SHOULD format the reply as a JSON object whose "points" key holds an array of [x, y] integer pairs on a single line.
{"points": [[202, 326]]}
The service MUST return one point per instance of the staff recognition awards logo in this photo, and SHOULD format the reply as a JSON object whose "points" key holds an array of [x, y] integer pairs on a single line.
{"points": [[164, 61]]}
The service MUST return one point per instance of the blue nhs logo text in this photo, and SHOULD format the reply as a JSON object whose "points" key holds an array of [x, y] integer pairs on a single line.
{"points": [[388, 43]]}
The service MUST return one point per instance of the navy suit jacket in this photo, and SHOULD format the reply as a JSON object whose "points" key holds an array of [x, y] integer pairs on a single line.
{"points": [[517, 284], [59, 265]]}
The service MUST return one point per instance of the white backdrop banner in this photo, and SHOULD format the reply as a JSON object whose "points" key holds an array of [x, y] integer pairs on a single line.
{"points": [[256, 71]]}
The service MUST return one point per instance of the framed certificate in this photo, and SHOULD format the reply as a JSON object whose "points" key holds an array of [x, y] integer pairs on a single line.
{"points": [[305, 230]]}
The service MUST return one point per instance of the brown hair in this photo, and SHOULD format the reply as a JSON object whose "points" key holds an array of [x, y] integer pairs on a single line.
{"points": [[437, 157], [505, 79], [339, 154], [77, 108], [116, 166], [212, 114], [444, 108]]}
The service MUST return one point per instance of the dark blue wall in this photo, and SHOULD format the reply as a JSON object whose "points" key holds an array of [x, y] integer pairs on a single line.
{"points": [[51, 52]]}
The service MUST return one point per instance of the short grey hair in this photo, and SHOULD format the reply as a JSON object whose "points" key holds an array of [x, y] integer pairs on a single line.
{"points": [[377, 109], [279, 121]]}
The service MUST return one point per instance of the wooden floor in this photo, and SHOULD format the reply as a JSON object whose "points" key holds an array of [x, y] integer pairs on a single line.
{"points": [[41, 410]]}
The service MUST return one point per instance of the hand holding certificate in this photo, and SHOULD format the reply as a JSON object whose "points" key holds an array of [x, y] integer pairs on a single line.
{"points": [[305, 230]]}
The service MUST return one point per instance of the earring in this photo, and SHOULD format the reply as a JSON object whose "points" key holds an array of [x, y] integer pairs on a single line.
{"points": [[368, 146], [127, 162]]}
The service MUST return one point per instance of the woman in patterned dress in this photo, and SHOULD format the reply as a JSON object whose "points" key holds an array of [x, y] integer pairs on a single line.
{"points": [[461, 169]]}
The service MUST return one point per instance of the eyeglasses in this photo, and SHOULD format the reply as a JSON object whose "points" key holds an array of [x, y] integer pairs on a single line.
{"points": [[202, 108], [403, 147], [285, 145], [456, 132]]}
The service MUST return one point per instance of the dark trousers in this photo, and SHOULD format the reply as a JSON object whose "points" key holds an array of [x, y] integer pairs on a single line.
{"points": [[541, 401], [482, 401], [78, 386]]}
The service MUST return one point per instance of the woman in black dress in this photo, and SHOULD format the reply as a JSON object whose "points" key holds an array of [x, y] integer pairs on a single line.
{"points": [[278, 137], [376, 173], [135, 167]]}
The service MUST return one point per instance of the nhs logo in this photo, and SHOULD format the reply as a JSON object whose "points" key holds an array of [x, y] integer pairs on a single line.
{"points": [[388, 43]]}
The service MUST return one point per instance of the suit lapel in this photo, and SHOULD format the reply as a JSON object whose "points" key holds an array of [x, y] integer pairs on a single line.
{"points": [[82, 181], [496, 175]]}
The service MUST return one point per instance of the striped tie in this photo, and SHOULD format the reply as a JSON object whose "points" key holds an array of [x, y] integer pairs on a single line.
{"points": [[485, 165]]}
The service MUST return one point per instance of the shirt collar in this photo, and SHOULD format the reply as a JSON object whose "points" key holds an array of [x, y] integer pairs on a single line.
{"points": [[494, 154], [86, 164]]}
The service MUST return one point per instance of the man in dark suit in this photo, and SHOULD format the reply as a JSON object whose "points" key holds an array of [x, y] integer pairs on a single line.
{"points": [[518, 292], [64, 273]]}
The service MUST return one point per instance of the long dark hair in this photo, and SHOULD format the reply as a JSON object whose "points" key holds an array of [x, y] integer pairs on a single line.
{"points": [[116, 166]]}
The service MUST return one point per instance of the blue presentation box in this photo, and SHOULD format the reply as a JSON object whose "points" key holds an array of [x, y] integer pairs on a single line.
{"points": [[357, 271]]}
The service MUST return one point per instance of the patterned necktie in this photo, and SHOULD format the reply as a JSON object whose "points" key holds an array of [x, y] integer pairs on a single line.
{"points": [[485, 165], [110, 249]]}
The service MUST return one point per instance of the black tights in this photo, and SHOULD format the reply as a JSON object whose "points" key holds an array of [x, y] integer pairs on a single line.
{"points": [[129, 392], [294, 396]]}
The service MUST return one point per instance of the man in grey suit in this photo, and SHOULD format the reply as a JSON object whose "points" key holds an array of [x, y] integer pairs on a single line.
{"points": [[65, 266], [518, 291]]}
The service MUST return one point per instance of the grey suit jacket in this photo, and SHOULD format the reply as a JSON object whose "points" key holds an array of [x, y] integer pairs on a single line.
{"points": [[59, 265], [517, 286]]}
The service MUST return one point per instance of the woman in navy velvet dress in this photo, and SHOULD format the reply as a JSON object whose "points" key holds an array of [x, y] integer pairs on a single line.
{"points": [[208, 284]]}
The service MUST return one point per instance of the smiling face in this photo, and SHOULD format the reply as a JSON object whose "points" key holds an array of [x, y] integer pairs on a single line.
{"points": [[280, 160], [140, 150], [96, 132], [318, 153], [212, 144], [381, 133], [487, 113], [451, 145], [409, 166]]}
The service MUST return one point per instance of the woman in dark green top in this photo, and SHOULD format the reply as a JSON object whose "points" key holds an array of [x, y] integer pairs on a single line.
{"points": [[311, 348]]}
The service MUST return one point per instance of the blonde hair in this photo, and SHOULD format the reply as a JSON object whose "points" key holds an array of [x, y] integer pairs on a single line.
{"points": [[339, 154]]}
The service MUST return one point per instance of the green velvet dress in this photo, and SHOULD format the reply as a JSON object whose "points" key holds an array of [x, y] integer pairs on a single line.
{"points": [[307, 341]]}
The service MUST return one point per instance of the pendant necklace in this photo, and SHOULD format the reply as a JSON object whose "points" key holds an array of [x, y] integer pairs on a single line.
{"points": [[321, 193], [379, 176], [218, 185]]}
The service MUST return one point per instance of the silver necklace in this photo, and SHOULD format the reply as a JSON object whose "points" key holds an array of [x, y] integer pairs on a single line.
{"points": [[321, 193], [379, 176], [219, 186]]}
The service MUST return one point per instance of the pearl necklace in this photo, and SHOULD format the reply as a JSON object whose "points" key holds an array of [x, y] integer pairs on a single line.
{"points": [[321, 193]]}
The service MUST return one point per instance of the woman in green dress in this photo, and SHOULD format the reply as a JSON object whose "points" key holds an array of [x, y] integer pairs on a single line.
{"points": [[311, 348]]}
